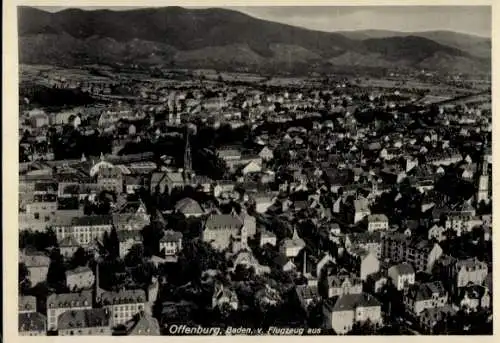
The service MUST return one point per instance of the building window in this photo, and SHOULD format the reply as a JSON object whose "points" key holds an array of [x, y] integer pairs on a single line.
{"points": [[36, 215]]}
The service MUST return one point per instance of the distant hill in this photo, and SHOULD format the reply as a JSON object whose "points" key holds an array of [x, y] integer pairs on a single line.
{"points": [[474, 45], [219, 38]]}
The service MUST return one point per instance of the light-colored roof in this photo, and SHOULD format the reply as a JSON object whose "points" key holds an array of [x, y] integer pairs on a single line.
{"points": [[188, 206]]}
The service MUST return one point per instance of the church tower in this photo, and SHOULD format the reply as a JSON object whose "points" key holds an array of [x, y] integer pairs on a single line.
{"points": [[484, 180], [188, 167]]}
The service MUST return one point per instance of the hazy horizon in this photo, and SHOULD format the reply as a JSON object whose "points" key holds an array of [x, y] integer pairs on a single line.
{"points": [[472, 20]]}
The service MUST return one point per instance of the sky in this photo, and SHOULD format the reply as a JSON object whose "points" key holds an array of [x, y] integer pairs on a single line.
{"points": [[475, 20]]}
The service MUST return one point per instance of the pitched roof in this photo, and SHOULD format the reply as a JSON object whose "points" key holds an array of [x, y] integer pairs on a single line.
{"points": [[67, 300], [142, 324], [88, 318], [92, 220], [171, 236], [223, 221], [349, 302], [188, 206], [32, 321], [68, 241], [424, 291], [123, 297], [403, 269], [27, 303], [35, 260], [78, 270]]}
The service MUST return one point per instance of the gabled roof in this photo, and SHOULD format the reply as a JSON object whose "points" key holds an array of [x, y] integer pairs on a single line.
{"points": [[349, 302]]}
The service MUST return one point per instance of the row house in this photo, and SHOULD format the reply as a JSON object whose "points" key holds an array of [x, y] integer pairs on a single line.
{"points": [[57, 304], [462, 223], [85, 229], [37, 265], [221, 229], [122, 305], [341, 312], [422, 254], [402, 275], [425, 295], [32, 324], [80, 278], [84, 322]]}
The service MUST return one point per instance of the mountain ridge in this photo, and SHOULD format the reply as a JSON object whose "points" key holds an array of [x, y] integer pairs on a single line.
{"points": [[214, 37]]}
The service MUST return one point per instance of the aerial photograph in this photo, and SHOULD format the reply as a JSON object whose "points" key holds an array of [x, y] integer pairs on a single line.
{"points": [[273, 171]]}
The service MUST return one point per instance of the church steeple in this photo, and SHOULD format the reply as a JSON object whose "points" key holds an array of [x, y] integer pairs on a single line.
{"points": [[188, 164]]}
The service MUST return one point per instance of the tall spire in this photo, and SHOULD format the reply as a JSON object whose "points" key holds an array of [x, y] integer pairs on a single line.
{"points": [[187, 154]]}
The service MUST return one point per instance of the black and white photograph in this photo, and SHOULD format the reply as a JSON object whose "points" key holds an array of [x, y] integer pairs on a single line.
{"points": [[253, 170]]}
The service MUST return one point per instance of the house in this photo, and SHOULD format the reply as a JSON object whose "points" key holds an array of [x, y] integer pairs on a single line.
{"points": [[110, 179], [122, 305], [32, 324], [262, 201], [342, 284], [26, 304], [425, 295], [84, 322], [57, 304], [161, 181], [470, 271], [365, 262], [223, 296], [246, 259], [429, 317], [266, 237], [402, 275], [228, 155], [79, 278], [266, 154], [307, 295], [130, 221], [220, 229], [281, 262], [251, 167], [189, 208], [142, 324], [68, 246], [290, 247], [377, 222], [376, 282], [473, 298], [37, 265], [361, 209], [422, 254], [368, 241], [85, 229], [341, 312], [171, 243], [436, 232], [461, 223], [127, 239]]}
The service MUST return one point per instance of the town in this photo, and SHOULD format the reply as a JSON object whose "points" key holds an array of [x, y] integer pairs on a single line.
{"points": [[343, 203]]}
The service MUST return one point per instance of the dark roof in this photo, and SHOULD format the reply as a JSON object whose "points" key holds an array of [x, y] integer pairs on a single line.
{"points": [[68, 300], [123, 297], [222, 221], [27, 303], [92, 220], [89, 318], [32, 321]]}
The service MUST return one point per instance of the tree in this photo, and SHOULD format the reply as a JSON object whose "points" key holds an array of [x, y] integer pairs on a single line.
{"points": [[23, 279], [56, 275], [80, 258], [135, 255], [114, 243]]}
